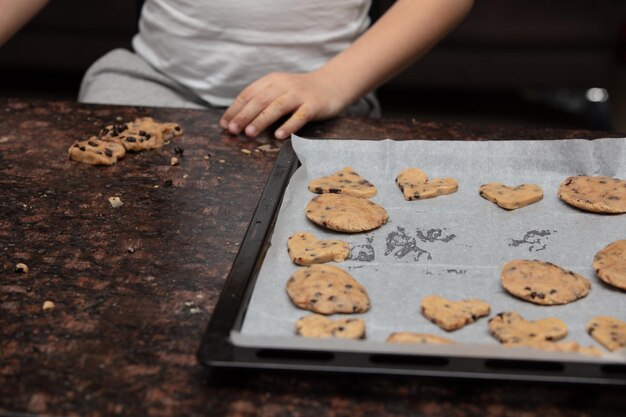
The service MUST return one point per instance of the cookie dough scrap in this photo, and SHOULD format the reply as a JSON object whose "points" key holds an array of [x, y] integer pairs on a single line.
{"points": [[346, 181], [452, 315], [305, 249], [596, 194], [96, 152], [543, 282], [511, 198], [141, 134], [608, 331], [327, 289], [345, 213], [610, 264], [415, 185], [408, 337], [319, 326], [546, 346], [510, 327]]}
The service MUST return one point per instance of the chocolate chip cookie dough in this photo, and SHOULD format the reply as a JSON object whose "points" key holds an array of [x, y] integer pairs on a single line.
{"points": [[347, 181], [345, 213], [415, 185], [511, 198], [596, 194], [305, 249], [319, 326], [327, 289], [543, 282], [452, 315], [610, 264]]}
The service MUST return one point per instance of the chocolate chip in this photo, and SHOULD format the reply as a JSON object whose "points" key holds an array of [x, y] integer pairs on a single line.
{"points": [[108, 152]]}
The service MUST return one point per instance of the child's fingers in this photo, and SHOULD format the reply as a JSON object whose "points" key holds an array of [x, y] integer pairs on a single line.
{"points": [[300, 117], [283, 105], [251, 110], [239, 103]]}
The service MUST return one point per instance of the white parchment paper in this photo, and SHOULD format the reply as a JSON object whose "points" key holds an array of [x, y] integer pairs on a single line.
{"points": [[452, 246]]}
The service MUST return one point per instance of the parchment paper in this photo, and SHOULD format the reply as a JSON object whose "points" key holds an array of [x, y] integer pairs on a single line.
{"points": [[453, 245]]}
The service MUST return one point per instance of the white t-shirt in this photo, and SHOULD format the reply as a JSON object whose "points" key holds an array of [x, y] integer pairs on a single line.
{"points": [[217, 47]]}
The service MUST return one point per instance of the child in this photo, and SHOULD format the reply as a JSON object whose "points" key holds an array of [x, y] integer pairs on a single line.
{"points": [[265, 61]]}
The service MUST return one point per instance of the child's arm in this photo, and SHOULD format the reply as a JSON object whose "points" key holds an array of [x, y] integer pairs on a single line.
{"points": [[405, 32], [16, 13]]}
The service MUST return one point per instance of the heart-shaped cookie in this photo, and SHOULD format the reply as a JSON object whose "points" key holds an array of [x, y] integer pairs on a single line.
{"points": [[346, 181], [452, 315], [415, 185], [305, 249], [511, 198], [510, 327]]}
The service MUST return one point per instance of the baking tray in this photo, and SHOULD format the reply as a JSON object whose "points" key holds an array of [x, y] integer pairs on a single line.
{"points": [[222, 348]]}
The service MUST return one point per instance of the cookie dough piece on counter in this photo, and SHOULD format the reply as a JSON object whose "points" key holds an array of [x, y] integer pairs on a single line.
{"points": [[319, 326], [543, 282], [596, 194], [608, 331], [511, 198], [610, 264], [347, 181], [510, 327], [415, 185], [345, 213], [327, 289], [96, 152], [305, 249], [408, 337], [546, 346], [141, 134], [452, 315]]}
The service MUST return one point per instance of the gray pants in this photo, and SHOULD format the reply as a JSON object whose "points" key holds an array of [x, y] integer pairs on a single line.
{"points": [[123, 77]]}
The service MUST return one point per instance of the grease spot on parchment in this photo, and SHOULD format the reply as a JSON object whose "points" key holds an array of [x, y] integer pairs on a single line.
{"points": [[364, 252], [535, 240], [401, 244]]}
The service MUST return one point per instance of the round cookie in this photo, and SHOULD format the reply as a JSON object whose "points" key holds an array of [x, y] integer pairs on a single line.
{"points": [[608, 331], [415, 185], [510, 327], [327, 289], [596, 194], [96, 152], [610, 264], [408, 337], [452, 315], [319, 326], [305, 249], [542, 282], [511, 198], [345, 213], [346, 181]]}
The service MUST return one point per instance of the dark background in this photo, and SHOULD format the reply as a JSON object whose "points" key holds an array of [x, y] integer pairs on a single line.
{"points": [[517, 62]]}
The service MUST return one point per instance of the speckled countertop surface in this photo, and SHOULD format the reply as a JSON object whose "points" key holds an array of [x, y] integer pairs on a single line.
{"points": [[134, 287]]}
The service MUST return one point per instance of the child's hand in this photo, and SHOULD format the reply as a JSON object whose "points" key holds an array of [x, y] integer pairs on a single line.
{"points": [[309, 96]]}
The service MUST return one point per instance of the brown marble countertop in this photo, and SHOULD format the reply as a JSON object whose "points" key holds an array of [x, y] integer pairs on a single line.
{"points": [[134, 287]]}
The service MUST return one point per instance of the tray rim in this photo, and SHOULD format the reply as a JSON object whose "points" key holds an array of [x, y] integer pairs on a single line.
{"points": [[218, 351]]}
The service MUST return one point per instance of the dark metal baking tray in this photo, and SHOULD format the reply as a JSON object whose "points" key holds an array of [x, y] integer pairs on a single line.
{"points": [[219, 350]]}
